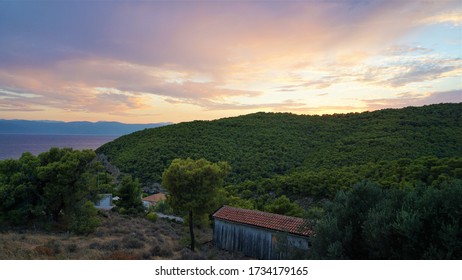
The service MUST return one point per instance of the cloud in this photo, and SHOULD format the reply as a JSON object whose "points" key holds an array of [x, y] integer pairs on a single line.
{"points": [[106, 85], [453, 96], [453, 17], [419, 73], [284, 106], [322, 83], [8, 94], [198, 35], [16, 106], [11, 101], [398, 71], [399, 50]]}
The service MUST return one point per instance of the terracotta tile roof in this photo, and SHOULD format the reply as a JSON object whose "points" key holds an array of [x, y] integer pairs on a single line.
{"points": [[263, 219], [155, 197]]}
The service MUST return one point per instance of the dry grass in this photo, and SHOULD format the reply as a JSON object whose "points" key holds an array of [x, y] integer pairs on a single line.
{"points": [[118, 238]]}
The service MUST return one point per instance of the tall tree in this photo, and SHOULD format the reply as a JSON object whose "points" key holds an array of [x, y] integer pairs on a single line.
{"points": [[130, 195], [192, 186], [282, 205], [60, 175]]}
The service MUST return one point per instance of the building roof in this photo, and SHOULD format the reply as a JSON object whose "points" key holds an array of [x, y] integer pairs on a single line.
{"points": [[155, 197], [263, 219]]}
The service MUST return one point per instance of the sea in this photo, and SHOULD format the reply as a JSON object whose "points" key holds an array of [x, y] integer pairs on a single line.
{"points": [[14, 145]]}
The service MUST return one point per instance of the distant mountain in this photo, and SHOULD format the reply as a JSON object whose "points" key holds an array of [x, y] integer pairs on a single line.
{"points": [[71, 128]]}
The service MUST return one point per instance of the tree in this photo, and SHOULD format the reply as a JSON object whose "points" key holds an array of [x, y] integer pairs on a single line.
{"points": [[84, 219], [18, 181], [56, 186], [61, 177], [369, 222], [192, 186], [339, 234], [282, 205], [130, 195]]}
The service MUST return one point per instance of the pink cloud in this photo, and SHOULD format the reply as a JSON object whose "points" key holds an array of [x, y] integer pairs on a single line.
{"points": [[454, 96]]}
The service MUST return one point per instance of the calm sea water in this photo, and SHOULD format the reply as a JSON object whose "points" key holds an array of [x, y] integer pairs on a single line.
{"points": [[13, 145]]}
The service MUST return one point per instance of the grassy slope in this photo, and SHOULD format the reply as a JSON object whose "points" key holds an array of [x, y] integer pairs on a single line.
{"points": [[262, 145]]}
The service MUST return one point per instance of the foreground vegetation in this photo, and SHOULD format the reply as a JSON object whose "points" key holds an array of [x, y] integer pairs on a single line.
{"points": [[53, 189], [56, 190], [119, 237], [372, 222]]}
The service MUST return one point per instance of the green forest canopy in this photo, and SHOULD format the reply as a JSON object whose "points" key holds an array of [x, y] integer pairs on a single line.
{"points": [[263, 145]]}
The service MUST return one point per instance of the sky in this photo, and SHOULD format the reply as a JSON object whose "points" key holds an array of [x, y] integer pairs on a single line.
{"points": [[174, 61]]}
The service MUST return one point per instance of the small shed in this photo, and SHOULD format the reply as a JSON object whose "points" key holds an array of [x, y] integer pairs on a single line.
{"points": [[259, 234], [152, 200]]}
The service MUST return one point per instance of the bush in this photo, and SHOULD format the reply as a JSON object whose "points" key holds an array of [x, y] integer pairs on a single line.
{"points": [[152, 216], [50, 249], [111, 245], [121, 255], [130, 242], [161, 251], [85, 219], [72, 248]]}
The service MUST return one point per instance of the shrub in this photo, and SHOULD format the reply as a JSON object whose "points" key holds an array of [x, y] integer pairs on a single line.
{"points": [[54, 245], [72, 248], [161, 252], [42, 250], [130, 242], [152, 216], [120, 255], [122, 210], [85, 219], [50, 249]]}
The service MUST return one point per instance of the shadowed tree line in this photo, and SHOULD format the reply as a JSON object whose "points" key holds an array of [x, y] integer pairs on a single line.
{"points": [[370, 222]]}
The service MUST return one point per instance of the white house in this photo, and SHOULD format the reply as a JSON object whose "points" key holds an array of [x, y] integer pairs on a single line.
{"points": [[104, 202]]}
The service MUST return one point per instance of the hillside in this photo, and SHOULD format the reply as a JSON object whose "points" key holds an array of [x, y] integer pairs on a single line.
{"points": [[263, 145], [71, 128]]}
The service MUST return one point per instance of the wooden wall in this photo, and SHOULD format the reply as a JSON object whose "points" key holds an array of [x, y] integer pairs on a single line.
{"points": [[256, 242]]}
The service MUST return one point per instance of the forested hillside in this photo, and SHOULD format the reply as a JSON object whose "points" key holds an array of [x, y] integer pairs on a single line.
{"points": [[263, 145]]}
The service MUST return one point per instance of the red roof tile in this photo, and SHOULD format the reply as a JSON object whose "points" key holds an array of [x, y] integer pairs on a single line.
{"points": [[155, 197], [263, 219]]}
